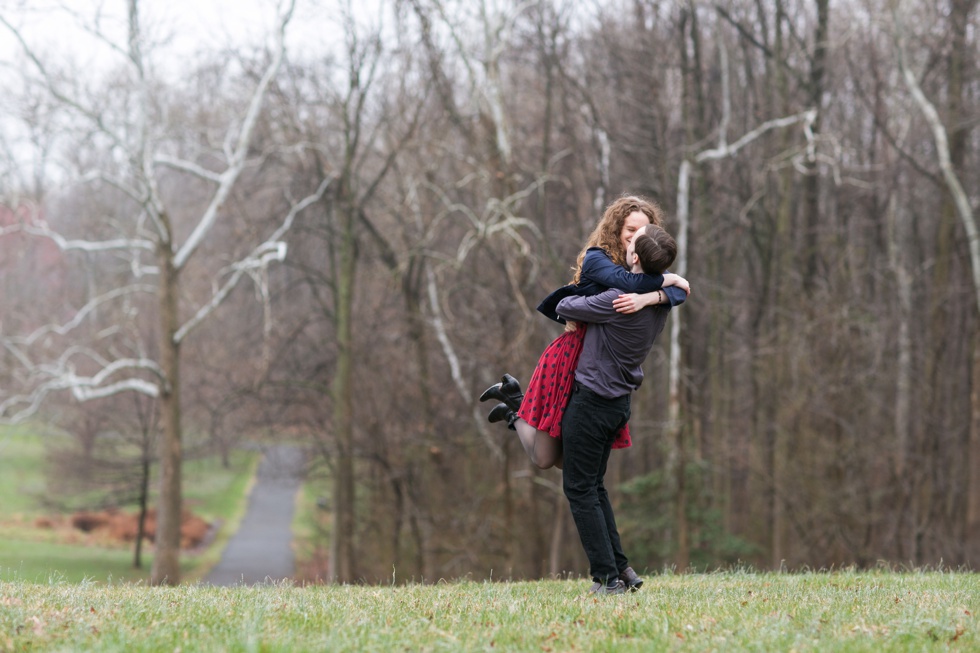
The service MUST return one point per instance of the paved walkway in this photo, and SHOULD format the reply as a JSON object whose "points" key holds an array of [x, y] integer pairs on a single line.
{"points": [[261, 550]]}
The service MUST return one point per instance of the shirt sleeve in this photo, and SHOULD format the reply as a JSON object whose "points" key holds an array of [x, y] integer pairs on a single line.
{"points": [[598, 267], [675, 295], [594, 309], [550, 303]]}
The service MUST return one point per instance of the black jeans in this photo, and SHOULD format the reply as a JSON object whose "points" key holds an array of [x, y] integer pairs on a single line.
{"points": [[588, 429]]}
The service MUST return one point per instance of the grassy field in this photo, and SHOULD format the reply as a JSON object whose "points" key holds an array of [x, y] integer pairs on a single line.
{"points": [[66, 596], [33, 554], [738, 611]]}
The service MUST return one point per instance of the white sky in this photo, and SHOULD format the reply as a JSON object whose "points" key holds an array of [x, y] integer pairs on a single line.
{"points": [[181, 30], [180, 27]]}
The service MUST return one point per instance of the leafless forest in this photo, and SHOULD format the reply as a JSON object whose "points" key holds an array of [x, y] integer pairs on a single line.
{"points": [[344, 251]]}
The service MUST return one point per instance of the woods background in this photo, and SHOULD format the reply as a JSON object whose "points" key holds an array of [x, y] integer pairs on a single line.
{"points": [[816, 403]]}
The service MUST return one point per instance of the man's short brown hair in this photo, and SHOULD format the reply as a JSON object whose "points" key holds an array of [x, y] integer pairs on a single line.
{"points": [[655, 248]]}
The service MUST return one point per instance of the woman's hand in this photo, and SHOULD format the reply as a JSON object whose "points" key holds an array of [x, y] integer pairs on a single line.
{"points": [[631, 302], [671, 279]]}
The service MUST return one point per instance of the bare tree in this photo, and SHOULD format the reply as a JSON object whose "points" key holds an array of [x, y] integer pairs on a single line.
{"points": [[723, 150], [815, 400], [155, 248], [965, 212]]}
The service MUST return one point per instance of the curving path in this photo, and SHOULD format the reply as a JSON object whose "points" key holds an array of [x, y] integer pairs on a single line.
{"points": [[261, 551]]}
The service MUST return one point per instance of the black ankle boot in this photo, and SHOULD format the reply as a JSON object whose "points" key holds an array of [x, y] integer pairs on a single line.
{"points": [[507, 391], [502, 412]]}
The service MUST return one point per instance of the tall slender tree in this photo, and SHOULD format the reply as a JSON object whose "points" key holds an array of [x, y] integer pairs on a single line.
{"points": [[153, 233]]}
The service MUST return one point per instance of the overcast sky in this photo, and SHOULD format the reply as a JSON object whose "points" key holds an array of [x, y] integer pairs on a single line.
{"points": [[182, 26], [180, 30]]}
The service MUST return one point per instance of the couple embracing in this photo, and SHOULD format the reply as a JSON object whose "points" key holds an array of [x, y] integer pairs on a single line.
{"points": [[577, 405]]}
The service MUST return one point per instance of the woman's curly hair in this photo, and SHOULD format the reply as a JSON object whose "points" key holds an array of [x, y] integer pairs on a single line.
{"points": [[606, 233]]}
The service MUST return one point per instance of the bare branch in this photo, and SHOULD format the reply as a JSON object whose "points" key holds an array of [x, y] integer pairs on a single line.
{"points": [[92, 29], [780, 61], [450, 353], [272, 249], [726, 95], [115, 183], [111, 369], [496, 36], [497, 217], [82, 313], [882, 126], [237, 160], [87, 245], [725, 150], [82, 393], [82, 388], [187, 166], [960, 199], [93, 116]]}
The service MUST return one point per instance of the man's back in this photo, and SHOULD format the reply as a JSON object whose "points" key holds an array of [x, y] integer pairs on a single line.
{"points": [[616, 344]]}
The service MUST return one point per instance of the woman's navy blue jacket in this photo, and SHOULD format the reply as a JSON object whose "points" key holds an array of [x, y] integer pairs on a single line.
{"points": [[599, 272]]}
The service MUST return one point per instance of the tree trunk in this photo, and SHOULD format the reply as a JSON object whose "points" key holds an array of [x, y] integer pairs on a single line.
{"points": [[782, 325], [780, 376], [557, 532], [412, 294], [959, 75], [511, 544], [682, 558], [899, 242], [951, 150], [973, 471], [675, 429], [811, 183], [143, 501], [166, 559], [342, 549]]}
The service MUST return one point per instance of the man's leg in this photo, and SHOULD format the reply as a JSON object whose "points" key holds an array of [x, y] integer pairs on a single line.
{"points": [[588, 429], [607, 512]]}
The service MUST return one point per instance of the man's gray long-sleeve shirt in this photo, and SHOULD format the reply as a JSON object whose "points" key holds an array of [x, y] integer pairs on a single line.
{"points": [[616, 344]]}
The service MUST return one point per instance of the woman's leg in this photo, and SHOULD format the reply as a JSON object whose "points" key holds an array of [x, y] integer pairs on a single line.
{"points": [[543, 450]]}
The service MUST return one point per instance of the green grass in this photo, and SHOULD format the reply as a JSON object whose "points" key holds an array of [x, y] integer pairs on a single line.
{"points": [[739, 611], [32, 554], [21, 478], [39, 561], [311, 528]]}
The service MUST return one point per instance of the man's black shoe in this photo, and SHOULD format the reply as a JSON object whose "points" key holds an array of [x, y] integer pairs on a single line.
{"points": [[612, 587], [632, 580]]}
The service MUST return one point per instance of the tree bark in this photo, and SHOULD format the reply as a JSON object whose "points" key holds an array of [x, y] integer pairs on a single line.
{"points": [[342, 549], [972, 534], [166, 560], [557, 533], [960, 61], [945, 151], [144, 498], [811, 183]]}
